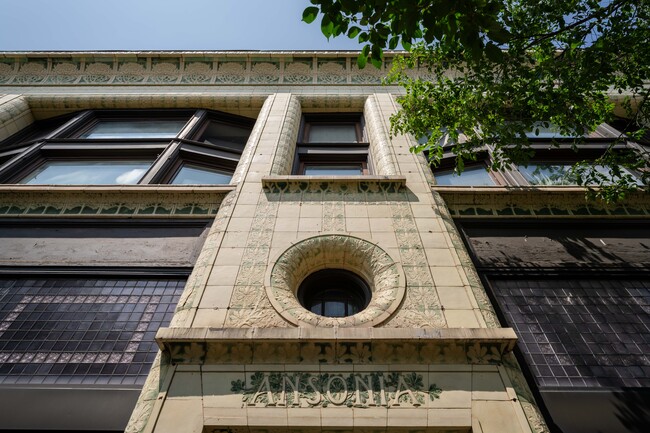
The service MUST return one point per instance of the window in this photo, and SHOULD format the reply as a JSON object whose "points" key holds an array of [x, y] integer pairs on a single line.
{"points": [[134, 129], [557, 173], [122, 147], [552, 164], [332, 169], [190, 174], [225, 135], [576, 293], [334, 293], [331, 145], [61, 330], [475, 175], [85, 172]]}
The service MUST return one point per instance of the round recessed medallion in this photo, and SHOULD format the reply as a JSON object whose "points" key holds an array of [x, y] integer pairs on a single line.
{"points": [[335, 280]]}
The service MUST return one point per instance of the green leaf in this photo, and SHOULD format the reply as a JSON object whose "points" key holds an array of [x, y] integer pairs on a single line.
{"points": [[494, 53], [310, 14], [327, 26], [353, 32], [392, 43], [361, 61]]}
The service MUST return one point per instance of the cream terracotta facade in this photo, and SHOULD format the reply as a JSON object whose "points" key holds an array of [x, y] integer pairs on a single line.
{"points": [[241, 354]]}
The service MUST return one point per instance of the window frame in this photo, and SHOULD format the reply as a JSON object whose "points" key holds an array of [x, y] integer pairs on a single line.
{"points": [[353, 294], [547, 150], [167, 155], [332, 153], [483, 158]]}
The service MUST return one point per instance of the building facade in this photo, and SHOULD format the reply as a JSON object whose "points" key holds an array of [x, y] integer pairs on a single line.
{"points": [[234, 242]]}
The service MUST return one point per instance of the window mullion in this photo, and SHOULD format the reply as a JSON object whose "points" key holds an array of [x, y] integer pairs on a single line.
{"points": [[197, 119], [163, 163], [16, 164], [73, 124]]}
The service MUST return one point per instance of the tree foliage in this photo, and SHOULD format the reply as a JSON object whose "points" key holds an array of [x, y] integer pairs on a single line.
{"points": [[500, 69]]}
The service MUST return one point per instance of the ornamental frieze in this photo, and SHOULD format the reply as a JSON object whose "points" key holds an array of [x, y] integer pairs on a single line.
{"points": [[205, 68], [323, 346], [27, 201], [360, 390]]}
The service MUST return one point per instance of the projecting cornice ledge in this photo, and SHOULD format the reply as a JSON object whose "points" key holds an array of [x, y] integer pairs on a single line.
{"points": [[336, 345], [538, 202], [120, 201]]}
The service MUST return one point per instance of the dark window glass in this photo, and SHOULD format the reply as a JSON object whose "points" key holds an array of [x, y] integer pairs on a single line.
{"points": [[580, 332], [330, 145], [550, 131], [558, 173], [332, 133], [134, 129], [334, 293], [224, 135], [333, 169], [100, 172], [91, 331], [471, 176], [115, 147], [196, 175]]}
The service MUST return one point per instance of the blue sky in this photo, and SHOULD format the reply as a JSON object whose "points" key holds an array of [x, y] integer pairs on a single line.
{"points": [[161, 25]]}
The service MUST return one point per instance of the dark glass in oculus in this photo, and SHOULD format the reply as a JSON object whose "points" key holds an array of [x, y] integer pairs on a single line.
{"points": [[334, 293]]}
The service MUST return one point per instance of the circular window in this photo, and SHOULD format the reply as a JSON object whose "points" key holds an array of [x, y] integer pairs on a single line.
{"points": [[335, 280], [334, 293]]}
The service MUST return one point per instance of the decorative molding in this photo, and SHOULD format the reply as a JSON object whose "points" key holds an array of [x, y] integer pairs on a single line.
{"points": [[421, 307], [249, 305], [155, 201], [538, 202], [333, 184], [188, 68], [286, 147], [336, 346], [381, 150], [14, 115], [384, 276]]}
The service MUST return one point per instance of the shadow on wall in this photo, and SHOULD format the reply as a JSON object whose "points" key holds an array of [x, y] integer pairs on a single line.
{"points": [[633, 409]]}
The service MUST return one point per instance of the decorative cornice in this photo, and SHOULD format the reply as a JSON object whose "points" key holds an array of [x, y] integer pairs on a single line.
{"points": [[277, 184], [336, 345], [101, 68], [155, 201], [538, 202]]}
